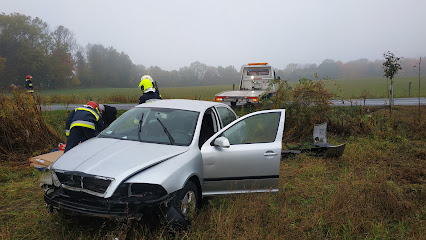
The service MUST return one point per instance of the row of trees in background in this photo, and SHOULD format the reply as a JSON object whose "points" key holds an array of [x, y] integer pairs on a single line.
{"points": [[106, 67], [27, 46], [55, 60], [361, 68]]}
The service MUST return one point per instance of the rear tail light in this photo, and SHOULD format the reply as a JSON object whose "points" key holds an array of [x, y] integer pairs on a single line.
{"points": [[253, 99]]}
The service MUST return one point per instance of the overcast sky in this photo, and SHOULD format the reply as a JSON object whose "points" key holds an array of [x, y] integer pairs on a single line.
{"points": [[174, 33]]}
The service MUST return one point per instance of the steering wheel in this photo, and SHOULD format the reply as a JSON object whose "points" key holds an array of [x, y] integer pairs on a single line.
{"points": [[175, 134], [153, 130]]}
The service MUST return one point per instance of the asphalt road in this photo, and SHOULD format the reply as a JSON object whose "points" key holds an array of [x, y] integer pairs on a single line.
{"points": [[380, 102], [124, 106], [352, 102]]}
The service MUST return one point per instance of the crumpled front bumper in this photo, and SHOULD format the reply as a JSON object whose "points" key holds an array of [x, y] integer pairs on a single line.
{"points": [[81, 203]]}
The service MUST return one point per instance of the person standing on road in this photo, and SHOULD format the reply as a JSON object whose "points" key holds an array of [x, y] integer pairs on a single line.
{"points": [[82, 124], [149, 91], [29, 84]]}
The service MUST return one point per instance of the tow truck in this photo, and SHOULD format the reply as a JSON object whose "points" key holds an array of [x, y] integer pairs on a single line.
{"points": [[254, 83]]}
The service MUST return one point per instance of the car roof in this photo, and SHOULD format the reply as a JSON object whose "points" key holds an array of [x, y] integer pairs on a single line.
{"points": [[183, 104]]}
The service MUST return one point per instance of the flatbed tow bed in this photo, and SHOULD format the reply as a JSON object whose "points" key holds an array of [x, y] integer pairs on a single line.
{"points": [[255, 81], [239, 96]]}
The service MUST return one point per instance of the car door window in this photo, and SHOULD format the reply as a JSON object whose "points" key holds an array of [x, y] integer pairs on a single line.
{"points": [[225, 115], [208, 126], [261, 128]]}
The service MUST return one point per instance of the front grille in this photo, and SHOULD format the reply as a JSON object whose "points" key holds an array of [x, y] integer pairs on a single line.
{"points": [[69, 179], [92, 203], [84, 181], [96, 185]]}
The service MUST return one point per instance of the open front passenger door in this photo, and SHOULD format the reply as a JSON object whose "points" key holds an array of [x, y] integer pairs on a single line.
{"points": [[245, 155]]}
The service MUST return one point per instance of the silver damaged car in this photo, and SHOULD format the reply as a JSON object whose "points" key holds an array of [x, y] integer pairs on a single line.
{"points": [[163, 157]]}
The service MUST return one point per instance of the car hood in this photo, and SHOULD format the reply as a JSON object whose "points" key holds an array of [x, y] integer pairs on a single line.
{"points": [[115, 158]]}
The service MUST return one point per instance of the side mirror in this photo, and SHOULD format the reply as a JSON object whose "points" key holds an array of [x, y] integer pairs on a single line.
{"points": [[222, 142]]}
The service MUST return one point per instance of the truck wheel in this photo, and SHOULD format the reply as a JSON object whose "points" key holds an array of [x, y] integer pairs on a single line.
{"points": [[233, 104]]}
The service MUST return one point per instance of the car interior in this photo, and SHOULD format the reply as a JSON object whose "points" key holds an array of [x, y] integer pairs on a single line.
{"points": [[208, 127]]}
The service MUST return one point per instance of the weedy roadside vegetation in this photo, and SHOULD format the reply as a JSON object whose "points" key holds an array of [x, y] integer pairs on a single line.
{"points": [[22, 127], [375, 190]]}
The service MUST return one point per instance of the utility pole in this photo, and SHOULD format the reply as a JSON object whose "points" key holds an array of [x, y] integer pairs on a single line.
{"points": [[409, 89], [419, 88]]}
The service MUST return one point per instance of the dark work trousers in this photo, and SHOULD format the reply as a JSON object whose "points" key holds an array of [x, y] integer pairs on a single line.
{"points": [[78, 134]]}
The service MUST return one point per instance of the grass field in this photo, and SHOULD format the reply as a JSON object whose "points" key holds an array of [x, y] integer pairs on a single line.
{"points": [[376, 87], [129, 95], [345, 88], [375, 190]]}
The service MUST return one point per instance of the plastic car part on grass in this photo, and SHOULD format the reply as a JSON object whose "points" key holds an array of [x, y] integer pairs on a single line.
{"points": [[319, 147]]}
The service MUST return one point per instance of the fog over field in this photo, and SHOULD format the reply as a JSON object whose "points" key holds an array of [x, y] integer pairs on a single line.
{"points": [[172, 34]]}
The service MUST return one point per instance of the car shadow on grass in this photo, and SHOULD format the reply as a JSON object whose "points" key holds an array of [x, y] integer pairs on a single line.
{"points": [[74, 226]]}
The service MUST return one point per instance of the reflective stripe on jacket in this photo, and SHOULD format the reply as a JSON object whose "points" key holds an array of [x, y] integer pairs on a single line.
{"points": [[89, 110], [86, 124], [29, 86], [84, 117]]}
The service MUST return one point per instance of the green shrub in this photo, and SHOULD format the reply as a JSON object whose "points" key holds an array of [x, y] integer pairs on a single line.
{"points": [[306, 103]]}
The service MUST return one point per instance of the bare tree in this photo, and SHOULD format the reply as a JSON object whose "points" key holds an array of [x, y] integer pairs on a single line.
{"points": [[64, 38]]}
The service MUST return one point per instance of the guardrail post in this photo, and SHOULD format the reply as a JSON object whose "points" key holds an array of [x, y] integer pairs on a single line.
{"points": [[409, 89]]}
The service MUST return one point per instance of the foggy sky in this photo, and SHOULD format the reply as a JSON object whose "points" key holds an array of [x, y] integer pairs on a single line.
{"points": [[174, 33]]}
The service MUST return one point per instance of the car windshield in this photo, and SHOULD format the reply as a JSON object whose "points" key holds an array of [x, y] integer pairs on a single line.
{"points": [[145, 125]]}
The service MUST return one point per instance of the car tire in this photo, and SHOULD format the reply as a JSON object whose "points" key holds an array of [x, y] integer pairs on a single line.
{"points": [[233, 104], [187, 201]]}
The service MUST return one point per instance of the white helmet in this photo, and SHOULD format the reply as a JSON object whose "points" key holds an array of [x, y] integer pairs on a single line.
{"points": [[101, 108], [147, 77]]}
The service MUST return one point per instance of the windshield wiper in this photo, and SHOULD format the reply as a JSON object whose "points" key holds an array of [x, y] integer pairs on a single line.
{"points": [[172, 141], [140, 128]]}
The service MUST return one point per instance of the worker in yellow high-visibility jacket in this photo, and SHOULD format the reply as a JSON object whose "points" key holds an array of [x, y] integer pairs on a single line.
{"points": [[150, 91]]}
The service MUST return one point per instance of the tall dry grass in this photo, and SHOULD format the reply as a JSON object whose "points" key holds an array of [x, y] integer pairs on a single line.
{"points": [[22, 128], [79, 99]]}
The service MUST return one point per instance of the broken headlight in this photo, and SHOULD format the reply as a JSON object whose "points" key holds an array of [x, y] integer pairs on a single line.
{"points": [[46, 178], [146, 191], [47, 181]]}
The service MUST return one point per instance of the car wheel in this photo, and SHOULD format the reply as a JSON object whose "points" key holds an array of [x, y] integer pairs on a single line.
{"points": [[233, 104], [187, 201]]}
